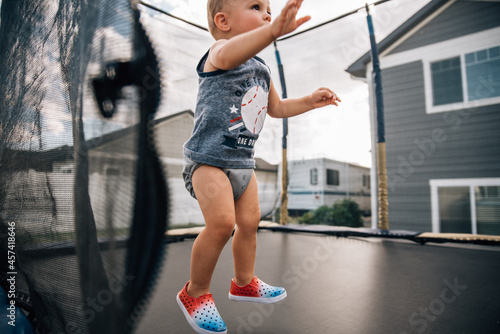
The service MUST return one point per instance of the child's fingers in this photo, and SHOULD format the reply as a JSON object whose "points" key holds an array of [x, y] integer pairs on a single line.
{"points": [[299, 3], [334, 102], [303, 20], [333, 95], [328, 96], [335, 99], [330, 100], [289, 5], [288, 12], [326, 92], [287, 22]]}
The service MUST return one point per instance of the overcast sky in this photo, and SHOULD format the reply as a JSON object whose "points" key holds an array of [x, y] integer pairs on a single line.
{"points": [[320, 10]]}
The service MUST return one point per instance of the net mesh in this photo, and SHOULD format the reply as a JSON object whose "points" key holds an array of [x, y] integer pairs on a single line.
{"points": [[81, 189], [312, 59]]}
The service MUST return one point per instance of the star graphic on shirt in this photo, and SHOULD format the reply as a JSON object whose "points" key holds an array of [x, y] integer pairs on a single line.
{"points": [[234, 110]]}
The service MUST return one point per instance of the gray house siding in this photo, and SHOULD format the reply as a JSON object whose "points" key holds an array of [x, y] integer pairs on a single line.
{"points": [[421, 146], [460, 19]]}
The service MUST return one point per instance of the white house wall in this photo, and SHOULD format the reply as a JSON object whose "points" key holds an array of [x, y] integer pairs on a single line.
{"points": [[304, 196]]}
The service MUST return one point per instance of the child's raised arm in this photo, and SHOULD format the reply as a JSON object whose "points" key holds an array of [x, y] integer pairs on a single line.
{"points": [[292, 107], [227, 54]]}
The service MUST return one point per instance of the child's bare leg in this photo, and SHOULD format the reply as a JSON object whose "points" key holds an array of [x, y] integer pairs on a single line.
{"points": [[215, 197], [245, 237]]}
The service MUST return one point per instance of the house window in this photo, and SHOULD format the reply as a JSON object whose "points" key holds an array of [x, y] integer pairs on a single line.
{"points": [[454, 210], [464, 81], [332, 177], [488, 210], [483, 73], [446, 81], [466, 206], [314, 176]]}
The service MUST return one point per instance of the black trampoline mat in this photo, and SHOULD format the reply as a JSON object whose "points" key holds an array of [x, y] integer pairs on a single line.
{"points": [[345, 285]]}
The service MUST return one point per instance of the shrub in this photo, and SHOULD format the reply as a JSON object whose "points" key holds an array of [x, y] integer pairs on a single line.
{"points": [[307, 218], [323, 215], [347, 213]]}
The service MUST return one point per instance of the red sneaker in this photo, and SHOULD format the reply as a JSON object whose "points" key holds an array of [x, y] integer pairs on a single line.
{"points": [[201, 313], [256, 291]]}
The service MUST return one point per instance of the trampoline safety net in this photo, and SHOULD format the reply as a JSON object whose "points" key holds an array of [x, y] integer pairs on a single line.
{"points": [[83, 202]]}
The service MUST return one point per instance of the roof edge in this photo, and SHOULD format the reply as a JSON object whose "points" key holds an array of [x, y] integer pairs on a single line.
{"points": [[358, 68]]}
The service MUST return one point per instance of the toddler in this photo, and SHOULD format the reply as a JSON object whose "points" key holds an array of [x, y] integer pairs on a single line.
{"points": [[235, 95]]}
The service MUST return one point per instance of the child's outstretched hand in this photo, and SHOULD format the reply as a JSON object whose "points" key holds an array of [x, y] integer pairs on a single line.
{"points": [[286, 22], [324, 97]]}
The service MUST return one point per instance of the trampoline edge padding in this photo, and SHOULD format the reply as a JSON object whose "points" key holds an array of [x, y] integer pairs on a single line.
{"points": [[341, 231], [419, 237], [461, 237]]}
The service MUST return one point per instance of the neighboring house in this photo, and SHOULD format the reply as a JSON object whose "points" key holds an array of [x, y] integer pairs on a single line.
{"points": [[171, 133], [441, 86], [45, 185], [317, 182], [269, 190]]}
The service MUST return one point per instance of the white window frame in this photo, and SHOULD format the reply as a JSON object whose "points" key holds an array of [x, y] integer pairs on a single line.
{"points": [[448, 183], [466, 104], [440, 51]]}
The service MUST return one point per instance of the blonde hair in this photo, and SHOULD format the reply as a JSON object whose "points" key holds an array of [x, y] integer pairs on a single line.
{"points": [[213, 7]]}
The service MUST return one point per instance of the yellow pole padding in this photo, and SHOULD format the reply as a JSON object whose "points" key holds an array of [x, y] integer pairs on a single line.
{"points": [[284, 189], [383, 203]]}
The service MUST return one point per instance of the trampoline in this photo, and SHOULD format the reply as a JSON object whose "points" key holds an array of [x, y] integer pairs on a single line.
{"points": [[354, 284], [84, 200]]}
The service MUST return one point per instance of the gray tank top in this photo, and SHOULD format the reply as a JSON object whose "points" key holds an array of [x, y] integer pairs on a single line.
{"points": [[230, 112]]}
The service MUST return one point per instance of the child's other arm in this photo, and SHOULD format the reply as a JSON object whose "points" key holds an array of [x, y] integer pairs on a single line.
{"points": [[227, 54], [292, 107]]}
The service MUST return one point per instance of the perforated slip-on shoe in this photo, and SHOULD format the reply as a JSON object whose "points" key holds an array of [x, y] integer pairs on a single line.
{"points": [[201, 313], [256, 291]]}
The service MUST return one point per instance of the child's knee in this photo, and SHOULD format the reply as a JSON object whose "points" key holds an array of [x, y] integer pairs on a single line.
{"points": [[249, 222], [224, 227], [255, 217]]}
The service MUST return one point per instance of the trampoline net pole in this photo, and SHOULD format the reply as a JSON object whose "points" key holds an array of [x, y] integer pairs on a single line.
{"points": [[284, 165], [383, 203]]}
